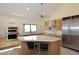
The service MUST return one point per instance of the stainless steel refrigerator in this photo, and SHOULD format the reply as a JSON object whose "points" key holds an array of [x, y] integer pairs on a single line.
{"points": [[70, 31]]}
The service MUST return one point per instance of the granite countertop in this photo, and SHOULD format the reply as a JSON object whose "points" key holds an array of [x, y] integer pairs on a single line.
{"points": [[43, 38], [53, 33]]}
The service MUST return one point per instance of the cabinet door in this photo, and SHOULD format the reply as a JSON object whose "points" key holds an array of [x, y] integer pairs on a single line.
{"points": [[54, 48], [46, 24], [58, 24]]}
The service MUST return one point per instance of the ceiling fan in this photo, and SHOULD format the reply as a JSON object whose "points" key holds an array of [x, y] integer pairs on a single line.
{"points": [[42, 12]]}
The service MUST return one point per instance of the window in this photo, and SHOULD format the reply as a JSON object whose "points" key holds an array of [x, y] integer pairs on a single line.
{"points": [[33, 28], [29, 28]]}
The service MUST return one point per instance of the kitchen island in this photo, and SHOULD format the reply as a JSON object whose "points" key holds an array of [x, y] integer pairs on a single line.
{"points": [[40, 44]]}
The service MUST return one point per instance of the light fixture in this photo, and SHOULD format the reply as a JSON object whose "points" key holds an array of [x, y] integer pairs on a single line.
{"points": [[42, 11], [27, 9]]}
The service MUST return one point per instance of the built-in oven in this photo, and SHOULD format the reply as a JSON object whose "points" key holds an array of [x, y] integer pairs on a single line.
{"points": [[12, 33]]}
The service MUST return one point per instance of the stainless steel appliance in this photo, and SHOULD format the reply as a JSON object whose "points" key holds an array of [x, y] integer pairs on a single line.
{"points": [[70, 31], [12, 33]]}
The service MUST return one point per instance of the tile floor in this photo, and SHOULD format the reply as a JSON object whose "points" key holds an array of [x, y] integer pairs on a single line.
{"points": [[13, 51], [66, 51]]}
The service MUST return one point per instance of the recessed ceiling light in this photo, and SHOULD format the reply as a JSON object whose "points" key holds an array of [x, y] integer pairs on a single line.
{"points": [[27, 9]]}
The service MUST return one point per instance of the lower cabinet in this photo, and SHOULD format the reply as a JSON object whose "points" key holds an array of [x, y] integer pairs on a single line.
{"points": [[40, 48], [37, 47], [6, 44]]}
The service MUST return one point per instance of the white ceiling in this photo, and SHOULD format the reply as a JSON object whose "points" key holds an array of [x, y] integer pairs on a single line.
{"points": [[19, 9]]}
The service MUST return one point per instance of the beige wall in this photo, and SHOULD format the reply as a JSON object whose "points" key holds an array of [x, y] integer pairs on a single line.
{"points": [[62, 11], [5, 22], [66, 10]]}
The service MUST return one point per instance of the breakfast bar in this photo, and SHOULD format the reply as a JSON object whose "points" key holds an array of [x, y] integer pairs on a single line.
{"points": [[36, 44]]}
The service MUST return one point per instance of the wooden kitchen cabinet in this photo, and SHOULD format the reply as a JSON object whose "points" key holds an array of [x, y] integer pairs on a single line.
{"points": [[2, 41], [53, 48], [5, 44], [53, 23], [58, 24], [46, 24], [24, 49]]}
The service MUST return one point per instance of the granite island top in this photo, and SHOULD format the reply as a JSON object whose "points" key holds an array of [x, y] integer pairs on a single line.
{"points": [[43, 38]]}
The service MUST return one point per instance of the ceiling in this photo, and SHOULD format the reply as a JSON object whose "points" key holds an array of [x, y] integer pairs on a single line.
{"points": [[30, 11]]}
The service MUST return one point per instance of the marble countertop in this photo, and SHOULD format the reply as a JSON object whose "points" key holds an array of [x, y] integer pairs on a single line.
{"points": [[43, 38], [58, 33]]}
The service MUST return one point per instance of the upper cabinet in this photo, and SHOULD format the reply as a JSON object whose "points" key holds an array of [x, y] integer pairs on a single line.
{"points": [[58, 24], [46, 24], [50, 24]]}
